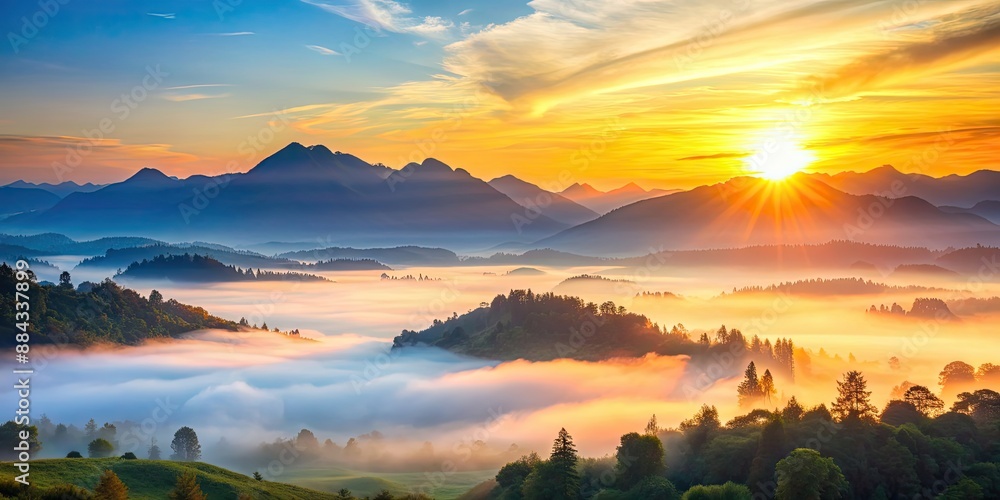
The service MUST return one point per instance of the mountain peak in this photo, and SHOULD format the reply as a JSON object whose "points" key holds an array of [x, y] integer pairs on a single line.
{"points": [[148, 174], [435, 165]]}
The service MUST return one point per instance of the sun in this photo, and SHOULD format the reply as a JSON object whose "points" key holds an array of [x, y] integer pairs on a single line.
{"points": [[776, 160]]}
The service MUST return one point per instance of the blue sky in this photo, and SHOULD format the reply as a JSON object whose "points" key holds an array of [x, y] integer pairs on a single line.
{"points": [[669, 93]]}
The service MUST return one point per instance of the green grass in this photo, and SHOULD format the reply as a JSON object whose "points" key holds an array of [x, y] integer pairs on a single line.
{"points": [[153, 479], [440, 487]]}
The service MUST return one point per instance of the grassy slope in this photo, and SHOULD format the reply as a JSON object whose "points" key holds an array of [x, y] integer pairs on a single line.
{"points": [[448, 487], [153, 479]]}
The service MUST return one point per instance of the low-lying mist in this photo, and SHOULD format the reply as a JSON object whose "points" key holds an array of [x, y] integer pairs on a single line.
{"points": [[238, 390]]}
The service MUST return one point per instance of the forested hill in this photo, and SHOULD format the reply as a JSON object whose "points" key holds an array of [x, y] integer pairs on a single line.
{"points": [[103, 313], [204, 269]]}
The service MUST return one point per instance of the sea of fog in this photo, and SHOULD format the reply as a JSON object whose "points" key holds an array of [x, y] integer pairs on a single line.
{"points": [[248, 388]]}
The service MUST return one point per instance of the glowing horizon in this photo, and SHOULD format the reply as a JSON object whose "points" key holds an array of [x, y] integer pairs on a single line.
{"points": [[669, 94]]}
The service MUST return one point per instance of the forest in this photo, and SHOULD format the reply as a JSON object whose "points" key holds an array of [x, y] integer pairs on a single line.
{"points": [[910, 449], [98, 313], [199, 268]]}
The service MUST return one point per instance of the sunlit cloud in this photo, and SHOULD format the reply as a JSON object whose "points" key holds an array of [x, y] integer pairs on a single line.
{"points": [[387, 15], [323, 50], [235, 33], [164, 16]]}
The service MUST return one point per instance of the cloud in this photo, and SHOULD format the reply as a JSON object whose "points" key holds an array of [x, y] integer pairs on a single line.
{"points": [[323, 50], [192, 97], [199, 86], [164, 16], [235, 33], [943, 51], [387, 15], [420, 43], [106, 160], [716, 156], [466, 11]]}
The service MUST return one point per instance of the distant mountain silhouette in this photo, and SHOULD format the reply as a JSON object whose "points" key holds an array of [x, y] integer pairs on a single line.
{"points": [[15, 200], [298, 193], [403, 256], [952, 190], [750, 211], [61, 190], [604, 202], [989, 210], [553, 205]]}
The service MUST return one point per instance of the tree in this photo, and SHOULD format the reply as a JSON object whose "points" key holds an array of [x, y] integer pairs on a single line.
{"points": [[956, 376], [806, 475], [382, 495], [563, 460], [701, 426], [185, 445], [749, 390], [767, 386], [853, 401], [154, 450], [109, 487], [654, 488], [923, 400], [728, 491], [345, 494], [90, 430], [100, 448], [512, 475], [129, 456], [155, 297], [652, 427], [258, 476], [982, 405], [187, 488], [988, 373], [65, 281], [306, 441], [10, 434], [639, 456], [899, 412], [74, 454]]}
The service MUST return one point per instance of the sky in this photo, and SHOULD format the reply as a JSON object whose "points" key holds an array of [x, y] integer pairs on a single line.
{"points": [[666, 93]]}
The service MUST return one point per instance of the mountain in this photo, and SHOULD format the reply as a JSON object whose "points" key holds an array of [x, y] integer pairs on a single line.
{"points": [[299, 193], [988, 209], [604, 202], [61, 190], [15, 200], [551, 204], [953, 190], [749, 211]]}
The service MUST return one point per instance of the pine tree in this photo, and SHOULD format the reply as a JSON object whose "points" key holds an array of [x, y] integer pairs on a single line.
{"points": [[749, 390], [767, 386], [109, 487], [854, 401], [563, 460], [187, 488], [652, 427], [154, 450]]}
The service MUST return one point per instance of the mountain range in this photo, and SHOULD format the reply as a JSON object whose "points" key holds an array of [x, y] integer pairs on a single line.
{"points": [[312, 194], [749, 211], [605, 201]]}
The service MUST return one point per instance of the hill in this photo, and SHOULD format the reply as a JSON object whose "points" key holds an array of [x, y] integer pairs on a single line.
{"points": [[16, 200], [122, 257], [60, 244], [105, 313], [950, 190], [831, 287], [538, 200], [204, 269], [750, 211], [401, 256], [61, 190], [603, 202], [524, 325], [154, 479]]}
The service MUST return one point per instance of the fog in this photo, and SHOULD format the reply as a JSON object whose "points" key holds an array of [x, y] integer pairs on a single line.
{"points": [[344, 381]]}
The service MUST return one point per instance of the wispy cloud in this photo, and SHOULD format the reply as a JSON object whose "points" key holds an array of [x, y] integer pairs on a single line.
{"points": [[466, 11], [235, 33], [420, 43], [323, 50], [164, 16], [199, 86], [387, 15], [717, 156], [192, 97]]}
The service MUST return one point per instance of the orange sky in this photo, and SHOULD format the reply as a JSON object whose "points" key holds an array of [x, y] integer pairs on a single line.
{"points": [[665, 93]]}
